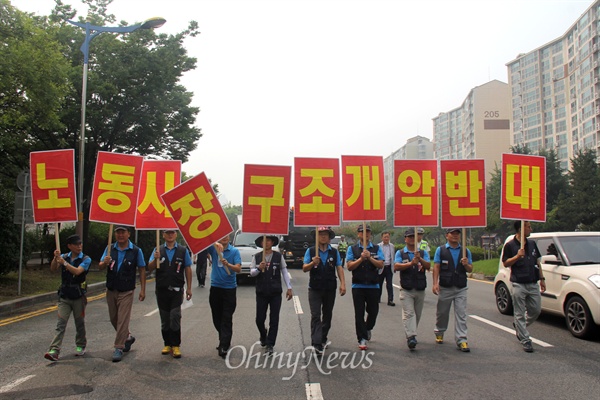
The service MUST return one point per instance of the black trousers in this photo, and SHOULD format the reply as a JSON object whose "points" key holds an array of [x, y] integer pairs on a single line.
{"points": [[262, 304], [365, 299], [201, 260], [222, 305], [386, 275], [321, 304], [169, 308]]}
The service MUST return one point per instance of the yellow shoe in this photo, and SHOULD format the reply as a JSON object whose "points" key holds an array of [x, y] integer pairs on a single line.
{"points": [[439, 339], [166, 350], [176, 352], [464, 347]]}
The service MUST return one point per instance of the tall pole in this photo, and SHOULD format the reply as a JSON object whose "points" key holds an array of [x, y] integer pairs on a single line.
{"points": [[79, 226]]}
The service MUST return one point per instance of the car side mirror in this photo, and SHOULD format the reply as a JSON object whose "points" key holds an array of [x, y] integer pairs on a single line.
{"points": [[551, 259]]}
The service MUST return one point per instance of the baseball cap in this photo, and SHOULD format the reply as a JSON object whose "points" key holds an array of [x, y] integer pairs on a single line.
{"points": [[360, 228], [409, 232], [450, 230]]}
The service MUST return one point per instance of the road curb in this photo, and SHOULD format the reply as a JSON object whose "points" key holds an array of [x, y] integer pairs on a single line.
{"points": [[18, 305]]}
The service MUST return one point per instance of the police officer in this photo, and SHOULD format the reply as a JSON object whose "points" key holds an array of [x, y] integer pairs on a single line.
{"points": [[322, 286], [74, 267], [173, 269], [122, 261], [343, 248], [450, 284], [412, 266], [268, 273], [525, 272], [366, 264]]}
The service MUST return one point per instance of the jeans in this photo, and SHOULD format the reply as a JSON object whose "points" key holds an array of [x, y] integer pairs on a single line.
{"points": [[527, 305]]}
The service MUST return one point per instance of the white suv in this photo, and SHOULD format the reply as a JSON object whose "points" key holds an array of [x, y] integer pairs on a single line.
{"points": [[571, 265], [244, 242]]}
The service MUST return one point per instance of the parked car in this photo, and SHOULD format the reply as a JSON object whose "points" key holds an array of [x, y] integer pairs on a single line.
{"points": [[571, 265], [244, 242], [335, 241]]}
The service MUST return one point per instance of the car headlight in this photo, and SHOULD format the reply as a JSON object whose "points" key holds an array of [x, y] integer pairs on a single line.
{"points": [[595, 279]]}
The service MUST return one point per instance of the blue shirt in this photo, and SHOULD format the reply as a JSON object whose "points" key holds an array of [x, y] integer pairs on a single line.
{"points": [[170, 253], [350, 257], [121, 255], [85, 264], [456, 253], [323, 255], [402, 254], [218, 275]]}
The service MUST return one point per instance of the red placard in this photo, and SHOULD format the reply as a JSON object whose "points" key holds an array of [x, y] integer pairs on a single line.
{"points": [[197, 212], [158, 177], [316, 192], [363, 188], [523, 187], [53, 186], [463, 193], [416, 193], [266, 199], [116, 187]]}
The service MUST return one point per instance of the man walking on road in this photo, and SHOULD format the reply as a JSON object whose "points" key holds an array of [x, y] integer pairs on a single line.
{"points": [[122, 261], [366, 264], [450, 285], [389, 251], [322, 285], [525, 272], [74, 267], [173, 270], [268, 273]]}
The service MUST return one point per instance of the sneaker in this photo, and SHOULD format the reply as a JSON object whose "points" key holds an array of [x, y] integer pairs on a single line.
{"points": [[117, 355], [528, 347], [318, 349], [439, 338], [176, 352], [166, 350], [79, 350], [128, 343], [391, 303], [269, 350], [362, 344], [51, 355], [412, 342], [464, 347], [368, 335]]}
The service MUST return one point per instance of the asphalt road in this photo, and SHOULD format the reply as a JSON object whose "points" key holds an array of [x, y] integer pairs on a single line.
{"points": [[562, 367]]}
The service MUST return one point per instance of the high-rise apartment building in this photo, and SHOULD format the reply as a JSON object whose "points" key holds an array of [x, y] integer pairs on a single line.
{"points": [[478, 129], [416, 148], [555, 91]]}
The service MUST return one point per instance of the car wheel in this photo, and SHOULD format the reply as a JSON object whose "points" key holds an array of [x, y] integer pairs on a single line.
{"points": [[503, 299], [578, 318]]}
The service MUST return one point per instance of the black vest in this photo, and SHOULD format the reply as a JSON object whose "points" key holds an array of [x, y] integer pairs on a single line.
{"points": [[412, 278], [365, 273], [524, 270], [124, 279], [268, 283], [323, 277], [450, 274], [171, 273], [72, 286]]}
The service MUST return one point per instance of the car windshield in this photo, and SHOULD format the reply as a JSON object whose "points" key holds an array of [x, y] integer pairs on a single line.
{"points": [[582, 250], [335, 240], [245, 240]]}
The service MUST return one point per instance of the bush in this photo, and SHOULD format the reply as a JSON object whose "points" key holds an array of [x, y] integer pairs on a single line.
{"points": [[477, 253]]}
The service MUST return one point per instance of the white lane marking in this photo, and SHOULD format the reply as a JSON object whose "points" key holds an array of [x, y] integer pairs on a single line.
{"points": [[396, 286], [297, 305], [10, 386], [313, 391], [151, 313], [509, 330]]}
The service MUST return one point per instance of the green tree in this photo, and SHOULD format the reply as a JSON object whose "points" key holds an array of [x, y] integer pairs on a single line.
{"points": [[556, 178], [578, 209], [33, 88]]}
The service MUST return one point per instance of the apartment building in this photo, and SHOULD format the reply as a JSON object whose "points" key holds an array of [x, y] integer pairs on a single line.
{"points": [[555, 91], [478, 129], [416, 148]]}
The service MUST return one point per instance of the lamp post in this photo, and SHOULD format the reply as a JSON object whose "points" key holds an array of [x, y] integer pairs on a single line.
{"points": [[91, 31]]}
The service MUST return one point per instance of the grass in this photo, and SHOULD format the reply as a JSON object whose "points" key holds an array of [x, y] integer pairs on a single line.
{"points": [[38, 280], [486, 267]]}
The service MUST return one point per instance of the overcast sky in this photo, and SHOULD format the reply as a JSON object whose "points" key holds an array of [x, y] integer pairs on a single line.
{"points": [[323, 78]]}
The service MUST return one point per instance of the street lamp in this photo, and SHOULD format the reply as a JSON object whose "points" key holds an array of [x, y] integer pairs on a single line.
{"points": [[91, 31]]}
